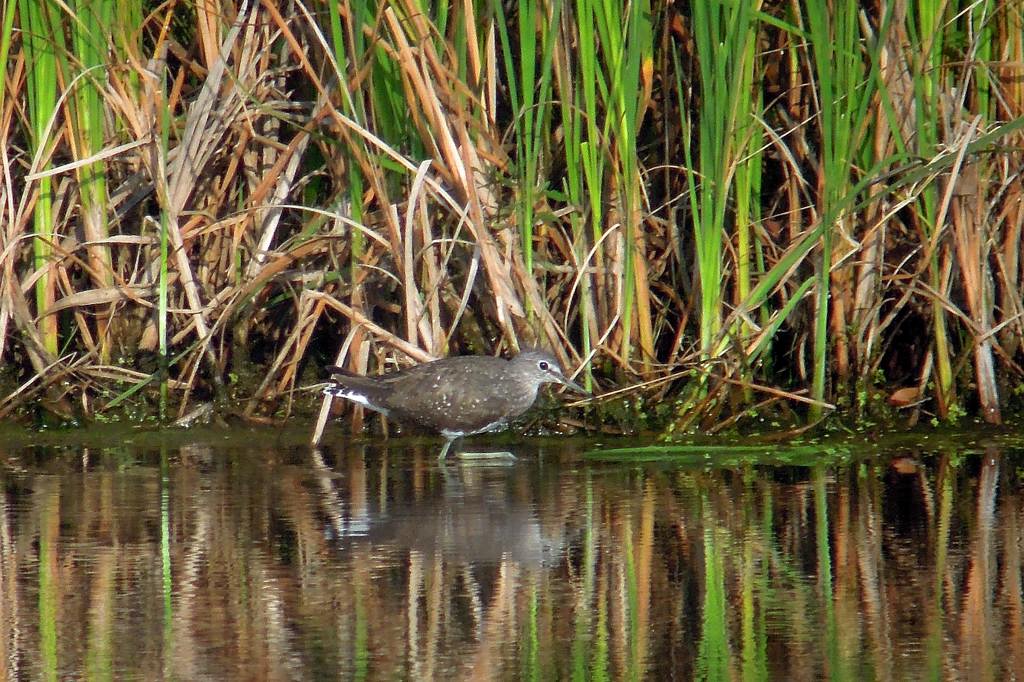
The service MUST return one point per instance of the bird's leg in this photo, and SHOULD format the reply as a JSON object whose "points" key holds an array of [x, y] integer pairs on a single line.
{"points": [[444, 451]]}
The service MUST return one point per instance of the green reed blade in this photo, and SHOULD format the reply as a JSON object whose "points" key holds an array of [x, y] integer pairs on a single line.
{"points": [[90, 27], [42, 39]]}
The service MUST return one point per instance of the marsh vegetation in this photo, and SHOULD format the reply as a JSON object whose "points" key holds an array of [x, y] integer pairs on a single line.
{"points": [[748, 208]]}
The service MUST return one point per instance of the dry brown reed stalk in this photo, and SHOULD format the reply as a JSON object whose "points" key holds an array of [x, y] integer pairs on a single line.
{"points": [[305, 222], [455, 139], [460, 146], [972, 245], [209, 120], [431, 84]]}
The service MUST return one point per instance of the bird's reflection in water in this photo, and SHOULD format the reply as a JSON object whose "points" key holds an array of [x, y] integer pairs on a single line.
{"points": [[467, 516], [464, 544]]}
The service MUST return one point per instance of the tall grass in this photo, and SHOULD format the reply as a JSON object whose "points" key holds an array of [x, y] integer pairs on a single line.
{"points": [[626, 38], [575, 74], [90, 26], [723, 168], [529, 77], [844, 94], [724, 36], [927, 26], [779, 197], [41, 31]]}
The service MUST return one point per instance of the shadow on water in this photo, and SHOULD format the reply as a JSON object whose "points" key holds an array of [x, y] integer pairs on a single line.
{"points": [[250, 556]]}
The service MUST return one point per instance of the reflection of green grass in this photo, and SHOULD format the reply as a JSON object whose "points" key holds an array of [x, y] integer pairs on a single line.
{"points": [[727, 455], [48, 590]]}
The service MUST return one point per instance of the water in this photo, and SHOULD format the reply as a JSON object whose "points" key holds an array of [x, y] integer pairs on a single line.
{"points": [[249, 556]]}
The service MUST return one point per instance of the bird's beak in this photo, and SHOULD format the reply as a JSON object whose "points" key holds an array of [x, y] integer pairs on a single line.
{"points": [[568, 383]]}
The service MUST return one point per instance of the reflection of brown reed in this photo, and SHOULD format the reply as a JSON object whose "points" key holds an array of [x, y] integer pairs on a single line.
{"points": [[1011, 513], [977, 626], [505, 622], [861, 602], [847, 551], [100, 647], [10, 614], [618, 548], [644, 577], [870, 543], [189, 607]]}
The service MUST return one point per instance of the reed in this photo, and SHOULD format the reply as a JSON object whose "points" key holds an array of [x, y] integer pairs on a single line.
{"points": [[529, 75], [723, 166], [762, 196], [928, 25], [41, 28], [845, 92], [90, 25], [575, 69], [724, 37], [7, 213], [163, 260]]}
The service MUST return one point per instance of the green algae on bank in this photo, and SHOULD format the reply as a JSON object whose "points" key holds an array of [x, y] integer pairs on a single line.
{"points": [[14, 436], [804, 452], [721, 452], [726, 455]]}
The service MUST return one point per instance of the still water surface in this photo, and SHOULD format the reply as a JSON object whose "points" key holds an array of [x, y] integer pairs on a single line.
{"points": [[250, 557]]}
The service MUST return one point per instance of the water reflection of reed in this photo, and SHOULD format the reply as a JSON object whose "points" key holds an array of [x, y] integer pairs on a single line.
{"points": [[290, 565]]}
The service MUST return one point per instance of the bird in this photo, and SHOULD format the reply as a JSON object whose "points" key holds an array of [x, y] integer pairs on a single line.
{"points": [[455, 396]]}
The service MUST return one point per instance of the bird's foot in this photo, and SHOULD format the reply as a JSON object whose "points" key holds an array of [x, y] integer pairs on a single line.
{"points": [[504, 454]]}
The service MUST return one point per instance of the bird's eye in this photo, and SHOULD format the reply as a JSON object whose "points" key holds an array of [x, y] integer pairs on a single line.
{"points": [[544, 366]]}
